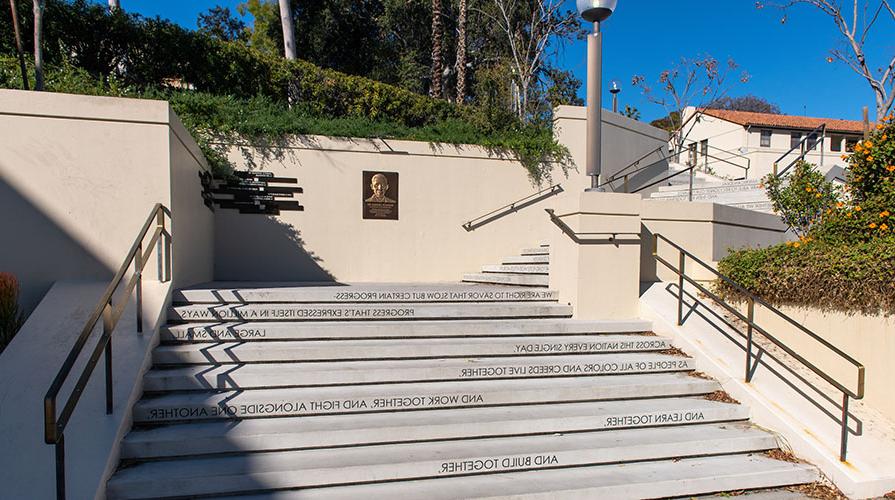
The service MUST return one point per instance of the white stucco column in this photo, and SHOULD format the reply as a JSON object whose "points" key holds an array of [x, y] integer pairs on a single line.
{"points": [[595, 254]]}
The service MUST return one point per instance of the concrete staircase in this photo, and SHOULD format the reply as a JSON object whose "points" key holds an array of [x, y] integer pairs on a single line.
{"points": [[747, 194], [530, 268], [430, 392]]}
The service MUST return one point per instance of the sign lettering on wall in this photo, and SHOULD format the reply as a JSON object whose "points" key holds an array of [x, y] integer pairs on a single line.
{"points": [[251, 192], [380, 195]]}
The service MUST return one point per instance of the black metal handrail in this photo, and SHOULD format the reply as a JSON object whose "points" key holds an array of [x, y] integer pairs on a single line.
{"points": [[54, 425], [481, 220], [723, 160], [686, 170], [749, 319], [610, 236], [621, 173], [818, 133]]}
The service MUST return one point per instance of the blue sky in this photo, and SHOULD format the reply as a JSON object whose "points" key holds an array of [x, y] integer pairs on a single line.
{"points": [[787, 62]]}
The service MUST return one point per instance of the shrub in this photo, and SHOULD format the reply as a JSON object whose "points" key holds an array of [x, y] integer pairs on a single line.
{"points": [[803, 199], [10, 316], [845, 257], [849, 278]]}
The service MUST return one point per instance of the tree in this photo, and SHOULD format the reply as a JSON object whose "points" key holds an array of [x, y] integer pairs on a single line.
{"points": [[855, 25], [562, 88], [435, 89], [461, 53], [527, 29], [631, 112], [688, 83], [288, 29], [39, 6], [18, 36], [749, 102], [114, 5], [266, 34], [218, 22]]}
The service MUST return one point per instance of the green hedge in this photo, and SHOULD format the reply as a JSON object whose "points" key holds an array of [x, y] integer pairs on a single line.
{"points": [[238, 90], [848, 278]]}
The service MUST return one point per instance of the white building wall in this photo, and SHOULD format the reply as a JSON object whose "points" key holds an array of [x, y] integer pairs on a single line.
{"points": [[731, 144]]}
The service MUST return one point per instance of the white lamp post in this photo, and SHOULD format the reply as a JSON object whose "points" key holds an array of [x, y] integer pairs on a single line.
{"points": [[595, 11]]}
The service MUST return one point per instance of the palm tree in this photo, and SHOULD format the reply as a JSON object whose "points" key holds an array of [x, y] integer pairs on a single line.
{"points": [[18, 36], [435, 88], [38, 44], [288, 28], [461, 53]]}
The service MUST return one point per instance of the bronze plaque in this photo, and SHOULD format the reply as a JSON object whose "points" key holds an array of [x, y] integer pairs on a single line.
{"points": [[380, 195]]}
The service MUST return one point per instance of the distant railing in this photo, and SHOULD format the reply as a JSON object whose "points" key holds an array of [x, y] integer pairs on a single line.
{"points": [[54, 425], [751, 326], [816, 135], [727, 160], [517, 205]]}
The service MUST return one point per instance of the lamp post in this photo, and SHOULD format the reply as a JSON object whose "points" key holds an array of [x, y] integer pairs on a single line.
{"points": [[595, 11], [614, 89]]}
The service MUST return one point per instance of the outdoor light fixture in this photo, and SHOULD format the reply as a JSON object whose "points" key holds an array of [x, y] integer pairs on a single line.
{"points": [[614, 89], [595, 11]]}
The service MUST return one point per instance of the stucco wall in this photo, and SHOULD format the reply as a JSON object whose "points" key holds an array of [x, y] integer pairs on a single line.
{"points": [[868, 339], [441, 187], [78, 177], [732, 142], [707, 230]]}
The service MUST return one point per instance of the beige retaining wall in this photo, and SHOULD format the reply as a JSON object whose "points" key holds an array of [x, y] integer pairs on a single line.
{"points": [[868, 339], [441, 187], [78, 177]]}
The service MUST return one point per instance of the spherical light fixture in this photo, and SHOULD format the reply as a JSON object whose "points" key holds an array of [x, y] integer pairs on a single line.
{"points": [[596, 11]]}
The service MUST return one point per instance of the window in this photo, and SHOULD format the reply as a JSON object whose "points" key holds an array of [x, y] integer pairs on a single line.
{"points": [[812, 142], [691, 156], [704, 147], [766, 138], [794, 139], [836, 142], [850, 143]]}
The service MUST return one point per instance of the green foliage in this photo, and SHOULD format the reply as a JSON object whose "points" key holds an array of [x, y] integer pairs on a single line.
{"points": [[328, 103], [803, 198], [10, 317], [850, 278]]}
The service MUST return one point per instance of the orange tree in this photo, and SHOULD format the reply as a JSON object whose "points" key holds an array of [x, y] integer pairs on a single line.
{"points": [[845, 259]]}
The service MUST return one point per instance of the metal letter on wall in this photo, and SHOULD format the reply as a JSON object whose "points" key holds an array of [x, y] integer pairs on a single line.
{"points": [[380, 195]]}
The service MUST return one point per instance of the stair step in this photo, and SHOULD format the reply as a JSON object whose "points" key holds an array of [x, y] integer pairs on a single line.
{"points": [[195, 406], [349, 312], [517, 269], [266, 375], [271, 331], [634, 481], [526, 260], [508, 279], [266, 434], [543, 250], [366, 350], [241, 293], [308, 468]]}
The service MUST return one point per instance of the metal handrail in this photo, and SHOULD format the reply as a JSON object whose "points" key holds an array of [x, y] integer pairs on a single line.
{"points": [[749, 319], [706, 155], [618, 175], [54, 426], [481, 220], [820, 130], [690, 169], [576, 236]]}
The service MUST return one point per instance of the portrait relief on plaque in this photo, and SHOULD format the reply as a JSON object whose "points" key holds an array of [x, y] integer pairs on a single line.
{"points": [[380, 195]]}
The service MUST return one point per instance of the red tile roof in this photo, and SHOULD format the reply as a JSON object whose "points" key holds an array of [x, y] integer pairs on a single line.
{"points": [[747, 118]]}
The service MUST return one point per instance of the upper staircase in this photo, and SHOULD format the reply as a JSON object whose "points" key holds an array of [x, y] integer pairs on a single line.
{"points": [[530, 268], [747, 193], [427, 391]]}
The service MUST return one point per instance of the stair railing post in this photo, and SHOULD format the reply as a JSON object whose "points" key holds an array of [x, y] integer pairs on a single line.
{"points": [[627, 187], [107, 334], [750, 315], [843, 447], [680, 289], [138, 271], [690, 191], [60, 467]]}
